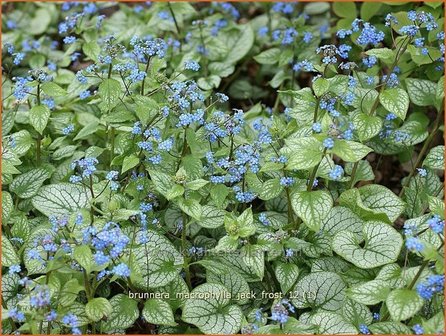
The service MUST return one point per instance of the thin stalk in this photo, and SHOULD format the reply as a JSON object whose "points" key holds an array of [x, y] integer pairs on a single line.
{"points": [[183, 247], [423, 150]]}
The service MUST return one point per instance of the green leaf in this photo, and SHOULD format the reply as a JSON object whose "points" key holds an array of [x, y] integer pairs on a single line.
{"points": [[403, 304], [324, 290], [395, 101], [196, 184], [419, 58], [158, 312], [320, 86], [270, 189], [124, 314], [302, 153], [435, 158], [332, 324], [82, 254], [39, 23], [350, 151], [366, 126], [227, 244], [27, 184], [390, 328], [345, 9], [7, 206], [191, 207], [39, 116], [269, 56], [110, 91], [70, 291], [129, 162], [382, 245], [232, 280], [212, 313], [60, 199], [241, 44], [370, 292], [155, 263], [146, 109], [209, 82], [9, 255], [163, 182], [53, 90], [356, 313], [176, 191], [373, 201], [92, 50], [421, 92], [341, 218], [369, 9], [98, 308], [286, 274], [254, 257], [87, 130], [384, 54], [304, 104], [212, 217], [312, 207]]}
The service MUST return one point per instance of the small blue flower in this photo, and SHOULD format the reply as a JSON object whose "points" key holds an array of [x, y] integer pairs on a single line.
{"points": [[418, 329], [121, 270], [192, 65], [336, 173], [287, 181], [316, 127], [69, 39], [414, 244], [363, 329], [14, 269], [328, 143], [84, 94]]}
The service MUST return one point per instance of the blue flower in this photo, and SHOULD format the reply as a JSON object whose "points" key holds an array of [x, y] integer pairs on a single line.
{"points": [[112, 175], [316, 127], [432, 285], [328, 143], [363, 329], [121, 270], [16, 315], [279, 313], [263, 31], [418, 329], [336, 173], [14, 269], [414, 244], [69, 39], [263, 219], [192, 65], [370, 61], [287, 181], [18, 58], [436, 224], [410, 30], [40, 297], [84, 94]]}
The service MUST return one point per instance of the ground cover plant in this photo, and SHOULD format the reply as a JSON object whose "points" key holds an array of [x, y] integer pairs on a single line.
{"points": [[222, 168]]}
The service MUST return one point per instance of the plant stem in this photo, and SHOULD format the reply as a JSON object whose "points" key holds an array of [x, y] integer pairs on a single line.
{"points": [[183, 248], [112, 143], [175, 21], [144, 79], [423, 150]]}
